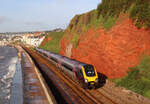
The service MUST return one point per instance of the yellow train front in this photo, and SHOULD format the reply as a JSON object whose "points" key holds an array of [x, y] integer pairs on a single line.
{"points": [[87, 76], [84, 74]]}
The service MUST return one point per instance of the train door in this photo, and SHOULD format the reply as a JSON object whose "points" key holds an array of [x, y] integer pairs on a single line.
{"points": [[81, 79], [80, 75]]}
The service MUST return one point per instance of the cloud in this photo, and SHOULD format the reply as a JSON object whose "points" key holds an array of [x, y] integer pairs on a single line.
{"points": [[26, 15], [4, 19], [34, 24]]}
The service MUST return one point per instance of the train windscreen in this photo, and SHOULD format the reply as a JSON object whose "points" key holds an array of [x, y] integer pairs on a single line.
{"points": [[89, 70]]}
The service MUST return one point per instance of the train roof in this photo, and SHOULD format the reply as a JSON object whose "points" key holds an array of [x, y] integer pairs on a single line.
{"points": [[73, 61], [66, 59]]}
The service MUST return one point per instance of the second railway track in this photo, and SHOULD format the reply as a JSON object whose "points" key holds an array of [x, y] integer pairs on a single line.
{"points": [[104, 98]]}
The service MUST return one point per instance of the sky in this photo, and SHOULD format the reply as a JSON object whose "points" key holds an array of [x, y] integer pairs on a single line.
{"points": [[39, 15]]}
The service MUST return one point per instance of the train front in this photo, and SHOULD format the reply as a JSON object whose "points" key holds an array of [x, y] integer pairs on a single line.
{"points": [[90, 76]]}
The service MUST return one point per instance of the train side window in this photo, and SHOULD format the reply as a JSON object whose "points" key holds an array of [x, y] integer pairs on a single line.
{"points": [[53, 59], [81, 72], [66, 66]]}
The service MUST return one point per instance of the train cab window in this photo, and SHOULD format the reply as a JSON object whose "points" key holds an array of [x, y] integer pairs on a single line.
{"points": [[89, 70]]}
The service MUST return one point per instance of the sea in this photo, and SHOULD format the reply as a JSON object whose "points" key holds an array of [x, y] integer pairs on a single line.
{"points": [[8, 62]]}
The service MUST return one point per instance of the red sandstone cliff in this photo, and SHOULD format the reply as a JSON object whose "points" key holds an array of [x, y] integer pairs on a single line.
{"points": [[111, 52]]}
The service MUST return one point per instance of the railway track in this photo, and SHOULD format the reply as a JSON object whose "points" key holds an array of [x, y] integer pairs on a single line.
{"points": [[114, 96], [81, 95], [105, 99], [110, 94], [118, 97]]}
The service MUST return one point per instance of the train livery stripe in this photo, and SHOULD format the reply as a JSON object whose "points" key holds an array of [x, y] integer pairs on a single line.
{"points": [[74, 71], [59, 63]]}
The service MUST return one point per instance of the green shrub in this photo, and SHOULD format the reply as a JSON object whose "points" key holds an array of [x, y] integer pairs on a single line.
{"points": [[75, 40], [140, 13], [94, 21], [54, 44], [109, 23], [138, 79], [139, 10]]}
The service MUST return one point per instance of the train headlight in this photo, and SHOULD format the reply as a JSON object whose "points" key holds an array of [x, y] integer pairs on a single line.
{"points": [[96, 80], [86, 80]]}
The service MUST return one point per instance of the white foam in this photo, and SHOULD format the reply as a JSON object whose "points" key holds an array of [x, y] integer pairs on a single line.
{"points": [[8, 78], [11, 68]]}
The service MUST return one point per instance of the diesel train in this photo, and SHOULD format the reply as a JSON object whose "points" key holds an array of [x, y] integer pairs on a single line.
{"points": [[84, 74]]}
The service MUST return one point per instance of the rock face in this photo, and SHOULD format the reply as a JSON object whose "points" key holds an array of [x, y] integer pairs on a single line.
{"points": [[69, 50], [111, 52]]}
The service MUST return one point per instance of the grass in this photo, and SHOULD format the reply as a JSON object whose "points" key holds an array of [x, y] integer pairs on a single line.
{"points": [[109, 22], [54, 44], [138, 79], [82, 23], [95, 21], [138, 10], [75, 40]]}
